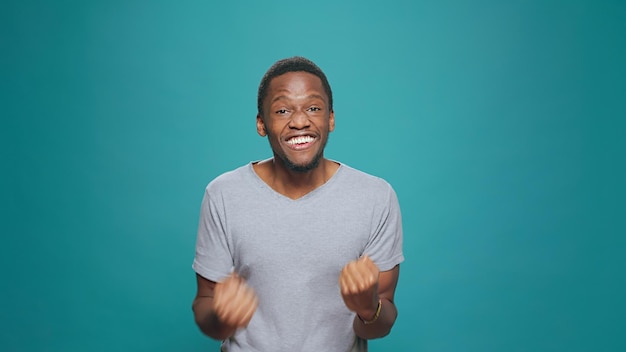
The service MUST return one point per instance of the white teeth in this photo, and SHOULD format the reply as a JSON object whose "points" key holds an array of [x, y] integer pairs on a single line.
{"points": [[300, 140]]}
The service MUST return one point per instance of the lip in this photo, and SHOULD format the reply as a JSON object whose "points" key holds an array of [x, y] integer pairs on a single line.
{"points": [[302, 146]]}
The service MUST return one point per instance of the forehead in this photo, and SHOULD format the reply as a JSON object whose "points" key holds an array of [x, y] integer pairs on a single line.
{"points": [[296, 82]]}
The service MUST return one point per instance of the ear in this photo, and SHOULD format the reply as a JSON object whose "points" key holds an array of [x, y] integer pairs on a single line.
{"points": [[331, 121], [260, 126]]}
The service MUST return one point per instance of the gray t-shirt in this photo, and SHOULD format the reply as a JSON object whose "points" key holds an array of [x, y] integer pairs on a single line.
{"points": [[291, 253]]}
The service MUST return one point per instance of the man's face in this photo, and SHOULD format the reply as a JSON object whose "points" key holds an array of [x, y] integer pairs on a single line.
{"points": [[296, 120]]}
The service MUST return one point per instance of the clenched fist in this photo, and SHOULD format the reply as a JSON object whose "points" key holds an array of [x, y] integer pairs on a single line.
{"points": [[234, 301], [358, 282]]}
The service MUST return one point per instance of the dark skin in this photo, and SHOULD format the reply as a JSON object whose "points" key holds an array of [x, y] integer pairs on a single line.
{"points": [[297, 120]]}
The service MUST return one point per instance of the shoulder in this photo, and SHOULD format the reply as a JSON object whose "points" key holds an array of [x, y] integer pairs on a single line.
{"points": [[230, 180], [364, 186], [361, 179]]}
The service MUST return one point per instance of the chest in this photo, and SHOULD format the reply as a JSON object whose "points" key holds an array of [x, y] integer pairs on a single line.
{"points": [[301, 240]]}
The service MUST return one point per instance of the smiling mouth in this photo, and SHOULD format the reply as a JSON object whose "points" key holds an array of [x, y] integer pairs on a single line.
{"points": [[300, 141]]}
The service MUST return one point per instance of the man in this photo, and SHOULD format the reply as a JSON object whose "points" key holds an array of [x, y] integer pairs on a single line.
{"points": [[297, 252]]}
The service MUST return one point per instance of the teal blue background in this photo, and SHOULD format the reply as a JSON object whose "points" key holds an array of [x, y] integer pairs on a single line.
{"points": [[499, 124]]}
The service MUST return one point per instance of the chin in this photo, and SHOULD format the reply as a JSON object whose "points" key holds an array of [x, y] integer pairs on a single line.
{"points": [[303, 167]]}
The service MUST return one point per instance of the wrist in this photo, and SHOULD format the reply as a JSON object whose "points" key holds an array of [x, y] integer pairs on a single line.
{"points": [[372, 316]]}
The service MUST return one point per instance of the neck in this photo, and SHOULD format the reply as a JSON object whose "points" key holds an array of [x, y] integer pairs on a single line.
{"points": [[295, 184]]}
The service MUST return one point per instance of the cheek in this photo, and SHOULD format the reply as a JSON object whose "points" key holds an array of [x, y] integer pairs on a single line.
{"points": [[272, 136], [275, 128]]}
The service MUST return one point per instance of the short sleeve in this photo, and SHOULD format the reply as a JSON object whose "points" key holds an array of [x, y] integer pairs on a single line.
{"points": [[213, 259], [385, 244]]}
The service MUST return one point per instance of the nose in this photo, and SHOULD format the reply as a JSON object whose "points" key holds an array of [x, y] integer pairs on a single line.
{"points": [[299, 120]]}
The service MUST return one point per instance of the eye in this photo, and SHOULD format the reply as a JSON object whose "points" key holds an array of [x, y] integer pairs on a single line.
{"points": [[314, 108], [281, 111]]}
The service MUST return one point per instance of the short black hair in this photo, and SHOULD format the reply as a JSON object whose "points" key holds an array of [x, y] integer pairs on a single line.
{"points": [[292, 64]]}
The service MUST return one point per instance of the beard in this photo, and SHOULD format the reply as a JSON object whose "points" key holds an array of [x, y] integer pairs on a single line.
{"points": [[314, 163], [302, 168]]}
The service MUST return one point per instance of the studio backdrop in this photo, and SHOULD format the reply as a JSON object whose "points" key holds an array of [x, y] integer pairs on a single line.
{"points": [[499, 124]]}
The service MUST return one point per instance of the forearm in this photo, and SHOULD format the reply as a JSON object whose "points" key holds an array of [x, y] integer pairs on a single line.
{"points": [[381, 326], [207, 320]]}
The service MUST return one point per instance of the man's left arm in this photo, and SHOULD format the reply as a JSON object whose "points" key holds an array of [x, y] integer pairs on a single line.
{"points": [[370, 294]]}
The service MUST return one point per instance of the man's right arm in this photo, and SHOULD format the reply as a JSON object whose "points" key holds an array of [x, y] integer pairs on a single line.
{"points": [[220, 308]]}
